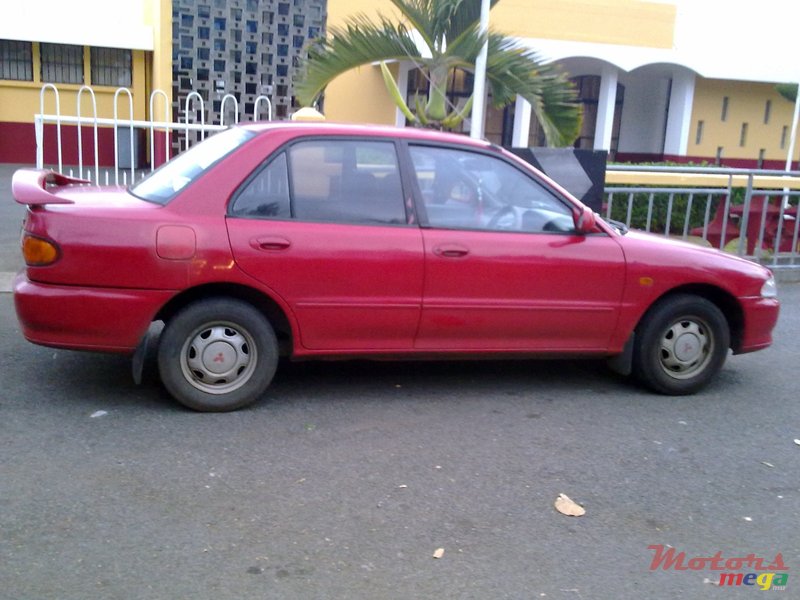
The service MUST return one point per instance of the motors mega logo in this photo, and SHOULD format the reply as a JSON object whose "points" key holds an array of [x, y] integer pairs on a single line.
{"points": [[749, 570]]}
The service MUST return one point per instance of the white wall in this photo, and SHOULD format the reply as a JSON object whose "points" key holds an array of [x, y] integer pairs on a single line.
{"points": [[644, 113], [104, 23]]}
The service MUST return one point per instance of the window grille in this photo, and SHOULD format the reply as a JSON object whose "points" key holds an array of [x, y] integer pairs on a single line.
{"points": [[16, 60], [62, 63], [112, 66]]}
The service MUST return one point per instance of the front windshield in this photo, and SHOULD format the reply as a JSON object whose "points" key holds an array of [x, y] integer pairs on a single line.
{"points": [[163, 185]]}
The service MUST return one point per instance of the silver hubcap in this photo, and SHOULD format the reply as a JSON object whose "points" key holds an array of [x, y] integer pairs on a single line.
{"points": [[218, 358], [686, 348]]}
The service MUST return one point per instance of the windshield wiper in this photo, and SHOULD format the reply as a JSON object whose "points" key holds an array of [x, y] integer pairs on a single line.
{"points": [[618, 225]]}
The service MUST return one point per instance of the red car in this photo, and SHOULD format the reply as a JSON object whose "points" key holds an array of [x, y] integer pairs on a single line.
{"points": [[321, 240]]}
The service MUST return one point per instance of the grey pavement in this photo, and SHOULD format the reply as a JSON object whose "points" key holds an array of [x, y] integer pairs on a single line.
{"points": [[347, 477], [11, 215]]}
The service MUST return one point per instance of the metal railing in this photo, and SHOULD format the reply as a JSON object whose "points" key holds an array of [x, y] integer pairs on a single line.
{"points": [[191, 131], [750, 213]]}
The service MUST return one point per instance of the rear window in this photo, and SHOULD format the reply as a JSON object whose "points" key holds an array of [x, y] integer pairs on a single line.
{"points": [[163, 185]]}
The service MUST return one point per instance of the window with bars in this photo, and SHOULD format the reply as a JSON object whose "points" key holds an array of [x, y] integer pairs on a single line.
{"points": [[16, 60], [111, 66], [61, 63]]}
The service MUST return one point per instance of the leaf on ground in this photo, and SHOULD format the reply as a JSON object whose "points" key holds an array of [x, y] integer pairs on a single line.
{"points": [[566, 506]]}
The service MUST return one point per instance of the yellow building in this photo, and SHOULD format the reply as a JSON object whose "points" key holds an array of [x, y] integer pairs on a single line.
{"points": [[101, 44], [659, 80]]}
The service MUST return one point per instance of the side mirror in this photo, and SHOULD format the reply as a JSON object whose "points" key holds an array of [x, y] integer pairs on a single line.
{"points": [[585, 221]]}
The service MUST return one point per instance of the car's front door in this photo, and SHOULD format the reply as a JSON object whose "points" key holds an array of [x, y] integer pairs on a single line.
{"points": [[324, 225], [504, 268]]}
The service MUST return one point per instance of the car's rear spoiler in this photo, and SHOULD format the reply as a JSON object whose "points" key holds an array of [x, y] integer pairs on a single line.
{"points": [[30, 186]]}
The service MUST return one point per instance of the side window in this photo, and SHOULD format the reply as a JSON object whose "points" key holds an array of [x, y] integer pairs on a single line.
{"points": [[467, 190], [346, 181], [266, 194]]}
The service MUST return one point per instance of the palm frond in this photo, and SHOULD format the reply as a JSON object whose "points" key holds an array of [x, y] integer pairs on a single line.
{"points": [[421, 17], [360, 42], [396, 94], [455, 118], [458, 16], [514, 70], [466, 46]]}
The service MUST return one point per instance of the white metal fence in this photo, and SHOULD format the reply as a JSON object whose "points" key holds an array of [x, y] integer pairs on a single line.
{"points": [[747, 212], [187, 130]]}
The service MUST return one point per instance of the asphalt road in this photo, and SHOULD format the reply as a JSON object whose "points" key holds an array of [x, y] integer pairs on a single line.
{"points": [[347, 477]]}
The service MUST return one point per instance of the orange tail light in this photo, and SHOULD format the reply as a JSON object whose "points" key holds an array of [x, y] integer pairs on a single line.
{"points": [[38, 252]]}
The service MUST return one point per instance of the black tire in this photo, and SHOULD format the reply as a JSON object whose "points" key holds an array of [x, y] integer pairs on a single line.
{"points": [[217, 355], [681, 344]]}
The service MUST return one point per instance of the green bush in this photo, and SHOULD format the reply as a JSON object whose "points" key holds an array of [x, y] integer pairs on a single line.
{"points": [[660, 206]]}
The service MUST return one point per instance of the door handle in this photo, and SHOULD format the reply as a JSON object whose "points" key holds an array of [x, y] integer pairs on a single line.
{"points": [[270, 243], [451, 251]]}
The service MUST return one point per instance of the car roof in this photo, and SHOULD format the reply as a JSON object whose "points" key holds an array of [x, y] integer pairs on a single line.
{"points": [[344, 129]]}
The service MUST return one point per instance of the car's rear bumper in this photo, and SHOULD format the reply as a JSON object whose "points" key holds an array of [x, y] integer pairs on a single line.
{"points": [[760, 318], [85, 318]]}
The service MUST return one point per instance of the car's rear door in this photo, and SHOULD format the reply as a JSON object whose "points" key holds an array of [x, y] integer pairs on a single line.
{"points": [[504, 268], [324, 225]]}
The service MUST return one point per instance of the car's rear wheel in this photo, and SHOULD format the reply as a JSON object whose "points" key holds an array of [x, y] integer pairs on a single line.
{"points": [[681, 343], [217, 355]]}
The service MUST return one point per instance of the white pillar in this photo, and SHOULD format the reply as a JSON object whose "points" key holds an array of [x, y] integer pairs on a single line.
{"points": [[679, 115], [605, 108], [793, 136], [402, 83], [522, 123], [479, 88]]}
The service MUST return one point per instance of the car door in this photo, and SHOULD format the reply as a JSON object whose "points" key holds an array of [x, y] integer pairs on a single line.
{"points": [[504, 268], [324, 225]]}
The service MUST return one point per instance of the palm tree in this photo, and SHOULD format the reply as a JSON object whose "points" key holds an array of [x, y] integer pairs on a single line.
{"points": [[450, 35], [787, 90]]}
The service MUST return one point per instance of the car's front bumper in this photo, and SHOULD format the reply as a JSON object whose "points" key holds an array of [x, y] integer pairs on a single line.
{"points": [[85, 318], [760, 318]]}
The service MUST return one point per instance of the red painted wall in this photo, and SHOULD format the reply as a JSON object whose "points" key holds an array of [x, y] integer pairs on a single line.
{"points": [[734, 163], [18, 145]]}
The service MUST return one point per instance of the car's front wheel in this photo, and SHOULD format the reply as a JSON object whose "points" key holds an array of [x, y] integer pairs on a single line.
{"points": [[681, 343], [217, 355]]}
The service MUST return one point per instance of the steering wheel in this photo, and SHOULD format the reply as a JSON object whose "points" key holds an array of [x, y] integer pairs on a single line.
{"points": [[504, 213]]}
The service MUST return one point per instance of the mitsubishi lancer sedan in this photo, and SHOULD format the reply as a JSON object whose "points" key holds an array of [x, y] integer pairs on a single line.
{"points": [[336, 241]]}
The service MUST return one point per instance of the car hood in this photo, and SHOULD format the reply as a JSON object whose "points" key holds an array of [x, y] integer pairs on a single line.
{"points": [[657, 255]]}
